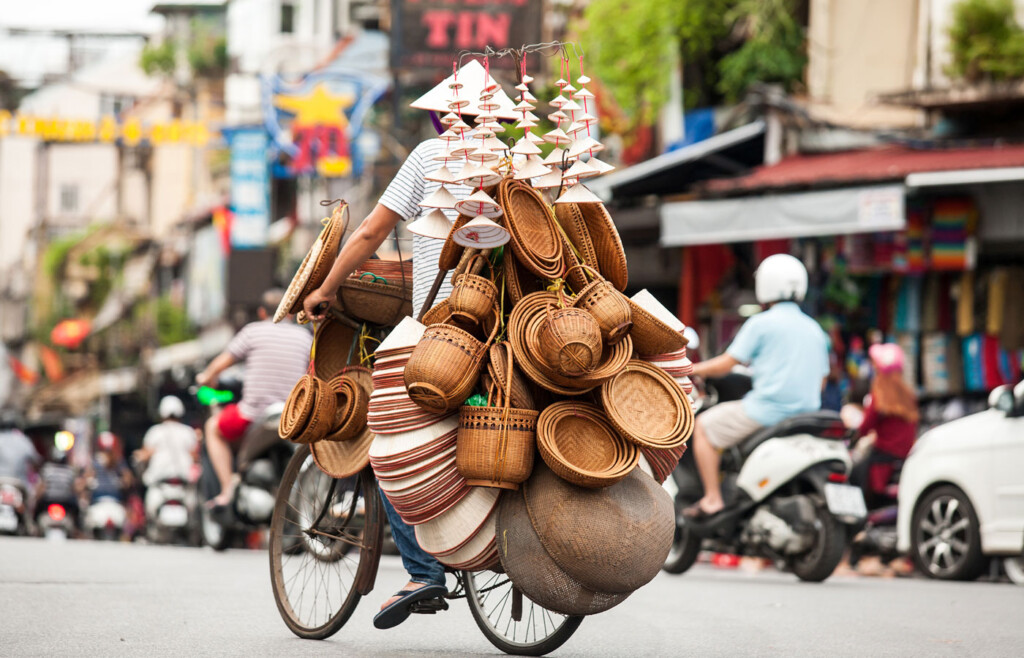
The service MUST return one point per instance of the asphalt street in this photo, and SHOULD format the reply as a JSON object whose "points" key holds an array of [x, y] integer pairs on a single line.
{"points": [[101, 599]]}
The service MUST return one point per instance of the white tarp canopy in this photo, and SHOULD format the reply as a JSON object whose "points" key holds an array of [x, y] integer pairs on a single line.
{"points": [[798, 215]]}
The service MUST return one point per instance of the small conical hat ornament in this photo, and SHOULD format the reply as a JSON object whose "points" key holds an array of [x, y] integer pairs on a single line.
{"points": [[481, 233], [442, 198], [432, 225], [479, 176], [533, 168], [479, 203], [579, 170], [556, 157], [526, 147], [585, 145], [441, 175], [578, 193], [549, 180], [601, 166]]}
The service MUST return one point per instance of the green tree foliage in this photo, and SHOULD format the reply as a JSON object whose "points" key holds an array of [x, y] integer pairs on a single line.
{"points": [[985, 41], [772, 53], [158, 59]]}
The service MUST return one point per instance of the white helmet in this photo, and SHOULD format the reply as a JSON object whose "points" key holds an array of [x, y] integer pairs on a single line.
{"points": [[171, 407], [780, 278]]}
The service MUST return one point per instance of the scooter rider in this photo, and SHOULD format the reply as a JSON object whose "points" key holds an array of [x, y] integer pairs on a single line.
{"points": [[400, 202], [168, 450], [788, 353]]}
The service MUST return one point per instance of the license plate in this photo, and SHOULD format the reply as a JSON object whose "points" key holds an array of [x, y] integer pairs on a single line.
{"points": [[173, 516], [8, 518], [845, 500]]}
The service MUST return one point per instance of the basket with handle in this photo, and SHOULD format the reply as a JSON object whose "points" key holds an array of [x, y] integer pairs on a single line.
{"points": [[375, 299], [608, 306], [445, 365], [496, 443], [570, 341], [474, 296]]}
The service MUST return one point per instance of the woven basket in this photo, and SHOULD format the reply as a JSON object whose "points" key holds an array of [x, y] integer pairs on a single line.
{"points": [[650, 335], [451, 253], [350, 416], [317, 263], [570, 217], [375, 300], [496, 443], [536, 241], [499, 363], [570, 341], [331, 345], [648, 407], [342, 459], [527, 563], [579, 444], [519, 281], [444, 367], [473, 296], [611, 257], [613, 360], [297, 409], [608, 306], [611, 540]]}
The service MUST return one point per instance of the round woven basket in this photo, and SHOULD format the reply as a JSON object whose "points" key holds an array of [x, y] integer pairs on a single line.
{"points": [[297, 410], [612, 540], [342, 459], [317, 263], [534, 572], [570, 341], [607, 305], [650, 335], [519, 281], [613, 360], [535, 237], [331, 345], [533, 306], [474, 297], [579, 444], [570, 217], [351, 408], [376, 300], [647, 406], [611, 257]]}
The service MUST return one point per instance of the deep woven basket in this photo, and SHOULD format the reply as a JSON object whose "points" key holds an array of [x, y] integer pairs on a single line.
{"points": [[581, 446], [650, 335], [613, 360], [444, 367], [331, 345], [297, 409], [570, 341], [474, 297], [570, 217], [352, 406], [374, 301], [647, 406], [608, 306], [611, 257], [536, 241]]}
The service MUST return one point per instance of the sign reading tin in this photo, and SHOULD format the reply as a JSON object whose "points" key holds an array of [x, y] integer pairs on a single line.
{"points": [[430, 33]]}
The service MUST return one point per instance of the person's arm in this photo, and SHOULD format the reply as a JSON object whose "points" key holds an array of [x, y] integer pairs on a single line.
{"points": [[220, 363], [365, 241], [870, 421], [719, 366]]}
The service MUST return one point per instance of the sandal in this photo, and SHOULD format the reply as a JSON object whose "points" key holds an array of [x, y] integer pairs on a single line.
{"points": [[696, 513], [397, 612]]}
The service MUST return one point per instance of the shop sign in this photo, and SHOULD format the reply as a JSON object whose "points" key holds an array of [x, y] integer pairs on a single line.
{"points": [[430, 33], [316, 122], [108, 130], [250, 187]]}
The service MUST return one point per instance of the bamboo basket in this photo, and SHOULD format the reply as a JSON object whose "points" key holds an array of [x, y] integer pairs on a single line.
{"points": [[570, 341], [580, 445], [473, 296], [608, 306]]}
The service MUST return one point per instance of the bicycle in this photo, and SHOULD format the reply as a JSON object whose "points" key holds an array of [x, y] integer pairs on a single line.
{"points": [[325, 541]]}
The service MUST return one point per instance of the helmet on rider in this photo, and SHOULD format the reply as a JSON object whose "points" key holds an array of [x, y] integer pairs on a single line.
{"points": [[171, 406], [106, 441], [780, 278]]}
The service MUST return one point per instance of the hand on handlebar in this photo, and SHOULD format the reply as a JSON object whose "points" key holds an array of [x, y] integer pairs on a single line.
{"points": [[317, 303]]}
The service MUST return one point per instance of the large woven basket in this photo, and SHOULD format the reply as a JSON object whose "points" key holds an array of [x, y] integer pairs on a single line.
{"points": [[650, 335], [527, 563], [570, 341], [317, 263], [611, 257], [444, 367], [647, 406], [473, 296], [608, 306], [612, 540], [579, 444], [451, 253], [496, 443], [332, 343], [351, 408], [309, 411], [536, 241], [342, 459], [519, 281], [376, 300]]}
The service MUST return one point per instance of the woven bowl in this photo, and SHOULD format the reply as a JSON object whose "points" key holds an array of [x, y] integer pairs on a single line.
{"points": [[570, 341], [612, 540], [342, 459], [650, 335], [647, 406], [579, 444], [536, 240], [297, 410], [608, 307]]}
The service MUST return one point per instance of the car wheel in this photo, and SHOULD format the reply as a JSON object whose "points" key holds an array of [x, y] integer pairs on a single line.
{"points": [[946, 543], [1014, 567]]}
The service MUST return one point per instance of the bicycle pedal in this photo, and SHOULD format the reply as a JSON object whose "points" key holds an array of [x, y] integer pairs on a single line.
{"points": [[428, 606]]}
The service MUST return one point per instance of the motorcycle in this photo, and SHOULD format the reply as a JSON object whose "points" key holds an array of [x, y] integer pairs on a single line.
{"points": [[785, 490], [12, 507], [54, 522], [170, 509], [105, 518], [260, 464]]}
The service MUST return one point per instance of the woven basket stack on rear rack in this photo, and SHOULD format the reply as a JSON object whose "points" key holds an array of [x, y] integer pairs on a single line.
{"points": [[529, 419]]}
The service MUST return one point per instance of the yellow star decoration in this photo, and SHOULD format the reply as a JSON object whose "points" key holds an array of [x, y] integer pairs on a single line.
{"points": [[320, 107]]}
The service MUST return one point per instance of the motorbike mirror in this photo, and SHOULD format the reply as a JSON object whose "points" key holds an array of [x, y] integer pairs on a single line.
{"points": [[692, 338]]}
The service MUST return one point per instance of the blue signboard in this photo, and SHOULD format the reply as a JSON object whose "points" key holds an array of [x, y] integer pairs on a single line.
{"points": [[250, 187]]}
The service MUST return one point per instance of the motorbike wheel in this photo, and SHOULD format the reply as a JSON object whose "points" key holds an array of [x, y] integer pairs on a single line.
{"points": [[314, 564], [818, 563], [944, 535], [539, 631], [1014, 568], [685, 548], [215, 535]]}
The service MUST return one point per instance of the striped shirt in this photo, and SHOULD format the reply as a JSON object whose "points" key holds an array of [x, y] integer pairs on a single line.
{"points": [[403, 196], [276, 356]]}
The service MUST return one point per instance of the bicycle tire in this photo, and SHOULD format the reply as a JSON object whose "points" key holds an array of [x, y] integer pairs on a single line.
{"points": [[320, 554], [559, 634]]}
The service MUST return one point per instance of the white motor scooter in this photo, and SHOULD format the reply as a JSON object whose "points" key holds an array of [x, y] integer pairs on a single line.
{"points": [[786, 495], [105, 518], [169, 507]]}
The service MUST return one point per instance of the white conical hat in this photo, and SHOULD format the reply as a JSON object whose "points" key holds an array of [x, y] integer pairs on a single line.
{"points": [[548, 181], [582, 80], [558, 101], [441, 198], [527, 124], [561, 82], [441, 175], [525, 147], [583, 93], [558, 117], [578, 193], [523, 106], [585, 145], [533, 137], [580, 169], [557, 137], [432, 225], [533, 168], [450, 119], [528, 97], [482, 155], [481, 233], [461, 149], [479, 203], [555, 157], [495, 144], [571, 106], [601, 166], [472, 76], [479, 176]]}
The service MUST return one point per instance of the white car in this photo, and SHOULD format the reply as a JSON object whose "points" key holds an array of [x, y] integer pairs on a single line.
{"points": [[961, 495]]}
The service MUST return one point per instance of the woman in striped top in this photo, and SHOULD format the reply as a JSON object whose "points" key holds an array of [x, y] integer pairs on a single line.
{"points": [[401, 202]]}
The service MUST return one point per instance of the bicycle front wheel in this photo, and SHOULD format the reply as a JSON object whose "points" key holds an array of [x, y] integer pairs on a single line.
{"points": [[512, 622], [325, 537]]}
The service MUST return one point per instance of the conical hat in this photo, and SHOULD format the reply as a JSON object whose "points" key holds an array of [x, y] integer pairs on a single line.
{"points": [[432, 225], [471, 76], [533, 168], [441, 198], [578, 193], [481, 233]]}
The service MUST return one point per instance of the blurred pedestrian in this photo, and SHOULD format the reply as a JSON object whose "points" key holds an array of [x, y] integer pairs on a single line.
{"points": [[18, 457], [276, 356], [890, 423]]}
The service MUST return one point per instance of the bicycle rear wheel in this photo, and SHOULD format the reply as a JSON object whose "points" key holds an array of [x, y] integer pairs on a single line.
{"points": [[512, 622], [325, 539]]}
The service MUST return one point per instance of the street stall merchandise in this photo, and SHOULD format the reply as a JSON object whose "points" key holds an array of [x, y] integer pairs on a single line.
{"points": [[523, 424]]}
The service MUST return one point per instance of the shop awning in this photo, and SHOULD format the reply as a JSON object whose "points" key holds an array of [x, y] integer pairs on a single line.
{"points": [[725, 154], [804, 214], [965, 177]]}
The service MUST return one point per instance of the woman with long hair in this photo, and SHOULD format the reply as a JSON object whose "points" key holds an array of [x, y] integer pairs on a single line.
{"points": [[890, 416]]}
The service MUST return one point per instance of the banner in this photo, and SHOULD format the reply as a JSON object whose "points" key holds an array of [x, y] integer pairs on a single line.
{"points": [[130, 132], [428, 34], [250, 187]]}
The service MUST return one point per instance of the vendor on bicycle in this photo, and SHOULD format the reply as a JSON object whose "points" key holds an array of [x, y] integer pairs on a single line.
{"points": [[401, 202]]}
